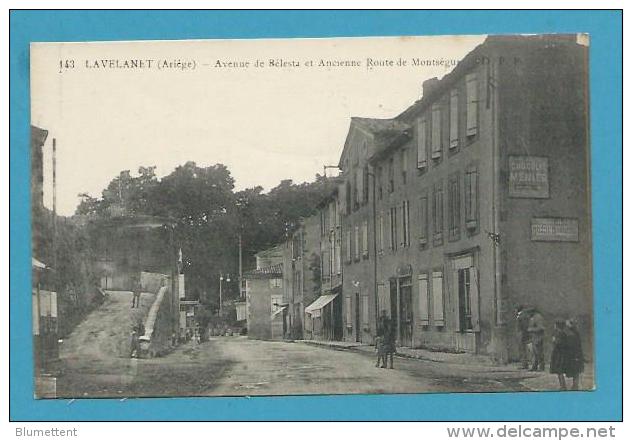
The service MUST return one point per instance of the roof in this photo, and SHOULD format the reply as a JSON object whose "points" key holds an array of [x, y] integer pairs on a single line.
{"points": [[268, 272], [385, 132], [389, 134], [508, 43]]}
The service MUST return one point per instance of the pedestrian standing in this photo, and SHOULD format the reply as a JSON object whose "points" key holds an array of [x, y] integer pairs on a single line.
{"points": [[560, 352], [136, 294], [575, 354], [523, 314], [134, 344], [389, 343], [380, 346], [536, 336]]}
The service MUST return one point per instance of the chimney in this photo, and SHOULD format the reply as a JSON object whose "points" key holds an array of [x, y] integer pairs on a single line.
{"points": [[429, 86]]}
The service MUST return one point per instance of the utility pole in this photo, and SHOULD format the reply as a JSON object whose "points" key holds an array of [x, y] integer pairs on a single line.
{"points": [[55, 209], [240, 266]]}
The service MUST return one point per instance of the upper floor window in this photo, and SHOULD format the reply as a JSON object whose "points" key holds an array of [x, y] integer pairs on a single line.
{"points": [[471, 198], [454, 118], [471, 89], [365, 239], [356, 245], [437, 213], [422, 153], [436, 132], [423, 220], [393, 228], [405, 224], [365, 184], [380, 232], [323, 222], [348, 250], [379, 184], [276, 283], [357, 180], [454, 208], [404, 162]]}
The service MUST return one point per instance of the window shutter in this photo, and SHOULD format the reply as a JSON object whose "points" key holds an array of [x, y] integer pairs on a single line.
{"points": [[424, 312], [471, 195], [342, 198], [423, 220], [348, 245], [437, 298], [359, 186], [325, 263], [348, 311], [365, 238], [357, 242], [403, 238], [474, 299], [454, 118], [421, 144], [471, 83], [380, 232], [436, 132], [453, 295], [365, 310]]}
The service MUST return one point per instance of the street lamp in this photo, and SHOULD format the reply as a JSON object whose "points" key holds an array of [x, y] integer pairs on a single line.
{"points": [[221, 279]]}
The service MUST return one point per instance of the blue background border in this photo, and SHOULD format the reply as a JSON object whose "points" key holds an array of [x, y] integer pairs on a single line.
{"points": [[605, 31]]}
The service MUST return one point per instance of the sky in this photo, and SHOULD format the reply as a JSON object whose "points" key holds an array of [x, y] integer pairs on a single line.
{"points": [[265, 124]]}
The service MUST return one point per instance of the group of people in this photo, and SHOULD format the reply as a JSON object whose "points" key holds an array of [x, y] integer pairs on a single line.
{"points": [[567, 357], [385, 341]]}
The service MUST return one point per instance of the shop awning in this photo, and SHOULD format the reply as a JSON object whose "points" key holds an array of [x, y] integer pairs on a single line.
{"points": [[320, 303]]}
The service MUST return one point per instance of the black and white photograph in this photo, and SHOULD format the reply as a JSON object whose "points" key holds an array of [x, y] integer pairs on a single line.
{"points": [[324, 216]]}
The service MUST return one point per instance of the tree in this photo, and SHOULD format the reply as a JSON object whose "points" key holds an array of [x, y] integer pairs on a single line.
{"points": [[210, 216]]}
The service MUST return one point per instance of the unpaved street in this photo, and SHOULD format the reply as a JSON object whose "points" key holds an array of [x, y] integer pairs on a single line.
{"points": [[239, 366]]}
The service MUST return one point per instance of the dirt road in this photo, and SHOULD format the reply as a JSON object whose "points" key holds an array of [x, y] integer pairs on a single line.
{"points": [[236, 366]]}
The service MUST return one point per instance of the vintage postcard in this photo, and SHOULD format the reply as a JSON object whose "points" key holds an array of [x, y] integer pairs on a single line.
{"points": [[311, 216]]}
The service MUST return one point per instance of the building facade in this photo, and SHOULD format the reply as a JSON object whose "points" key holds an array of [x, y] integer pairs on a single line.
{"points": [[473, 201], [266, 305], [323, 316], [301, 267]]}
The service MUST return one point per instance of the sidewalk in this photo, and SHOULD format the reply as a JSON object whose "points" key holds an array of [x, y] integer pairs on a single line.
{"points": [[419, 354], [536, 381]]}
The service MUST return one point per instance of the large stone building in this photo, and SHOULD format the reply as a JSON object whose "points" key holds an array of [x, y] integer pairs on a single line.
{"points": [[472, 201]]}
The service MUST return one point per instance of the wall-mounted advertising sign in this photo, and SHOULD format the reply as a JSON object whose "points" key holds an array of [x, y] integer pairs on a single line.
{"points": [[528, 177], [547, 229]]}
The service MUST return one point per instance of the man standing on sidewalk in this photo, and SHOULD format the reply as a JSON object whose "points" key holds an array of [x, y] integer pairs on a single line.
{"points": [[536, 333], [522, 318]]}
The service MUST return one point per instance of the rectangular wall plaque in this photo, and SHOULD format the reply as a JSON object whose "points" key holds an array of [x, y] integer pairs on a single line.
{"points": [[528, 177], [554, 229]]}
